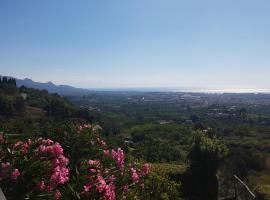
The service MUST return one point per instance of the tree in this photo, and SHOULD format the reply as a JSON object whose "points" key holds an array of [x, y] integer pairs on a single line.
{"points": [[6, 105], [194, 118], [242, 130], [200, 181], [19, 104]]}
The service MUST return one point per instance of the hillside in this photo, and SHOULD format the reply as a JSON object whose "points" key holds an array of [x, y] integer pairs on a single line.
{"points": [[29, 114], [51, 87], [32, 110], [195, 143]]}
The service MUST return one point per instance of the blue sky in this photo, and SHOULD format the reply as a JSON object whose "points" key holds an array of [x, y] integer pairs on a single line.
{"points": [[137, 43]]}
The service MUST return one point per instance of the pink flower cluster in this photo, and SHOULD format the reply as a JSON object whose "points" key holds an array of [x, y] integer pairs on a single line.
{"points": [[50, 152], [102, 179], [53, 152], [15, 173], [106, 175], [41, 186], [57, 195], [107, 189], [118, 156], [135, 175], [101, 142], [7, 171], [84, 127], [23, 146], [6, 166], [145, 169], [92, 128]]}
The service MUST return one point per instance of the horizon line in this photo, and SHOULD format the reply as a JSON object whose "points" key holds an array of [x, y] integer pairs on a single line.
{"points": [[191, 89]]}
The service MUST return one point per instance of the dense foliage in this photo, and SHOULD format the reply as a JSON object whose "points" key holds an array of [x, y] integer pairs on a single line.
{"points": [[38, 168], [149, 127], [205, 156], [149, 123]]}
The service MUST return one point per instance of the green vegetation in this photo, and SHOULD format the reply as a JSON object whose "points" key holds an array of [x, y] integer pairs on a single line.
{"points": [[200, 180], [194, 142], [35, 112], [158, 143], [156, 126]]}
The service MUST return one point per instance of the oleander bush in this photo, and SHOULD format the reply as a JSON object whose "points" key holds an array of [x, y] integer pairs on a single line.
{"points": [[78, 165]]}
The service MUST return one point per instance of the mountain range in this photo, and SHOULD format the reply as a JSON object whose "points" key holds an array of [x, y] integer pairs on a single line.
{"points": [[64, 90]]}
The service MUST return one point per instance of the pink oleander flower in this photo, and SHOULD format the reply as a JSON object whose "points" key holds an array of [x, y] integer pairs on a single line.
{"points": [[47, 142], [145, 169], [41, 186], [142, 186], [60, 160], [102, 143], [60, 175], [57, 195], [57, 149], [42, 149], [50, 188], [134, 175], [87, 126], [101, 184], [110, 192], [93, 162], [15, 174], [80, 128], [25, 147], [119, 157], [6, 166], [93, 170], [125, 189], [83, 127], [54, 150], [86, 188], [112, 178], [106, 153], [29, 141]]}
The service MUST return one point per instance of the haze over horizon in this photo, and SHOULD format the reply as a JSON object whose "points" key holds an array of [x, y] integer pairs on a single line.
{"points": [[129, 44]]}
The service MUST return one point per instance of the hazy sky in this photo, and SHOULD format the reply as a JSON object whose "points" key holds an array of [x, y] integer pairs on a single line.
{"points": [[137, 43]]}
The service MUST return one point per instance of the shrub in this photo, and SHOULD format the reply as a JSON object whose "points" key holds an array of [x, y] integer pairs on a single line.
{"points": [[81, 167], [200, 181]]}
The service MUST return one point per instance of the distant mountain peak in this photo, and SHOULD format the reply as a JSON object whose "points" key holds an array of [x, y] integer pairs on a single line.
{"points": [[50, 83], [51, 87]]}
